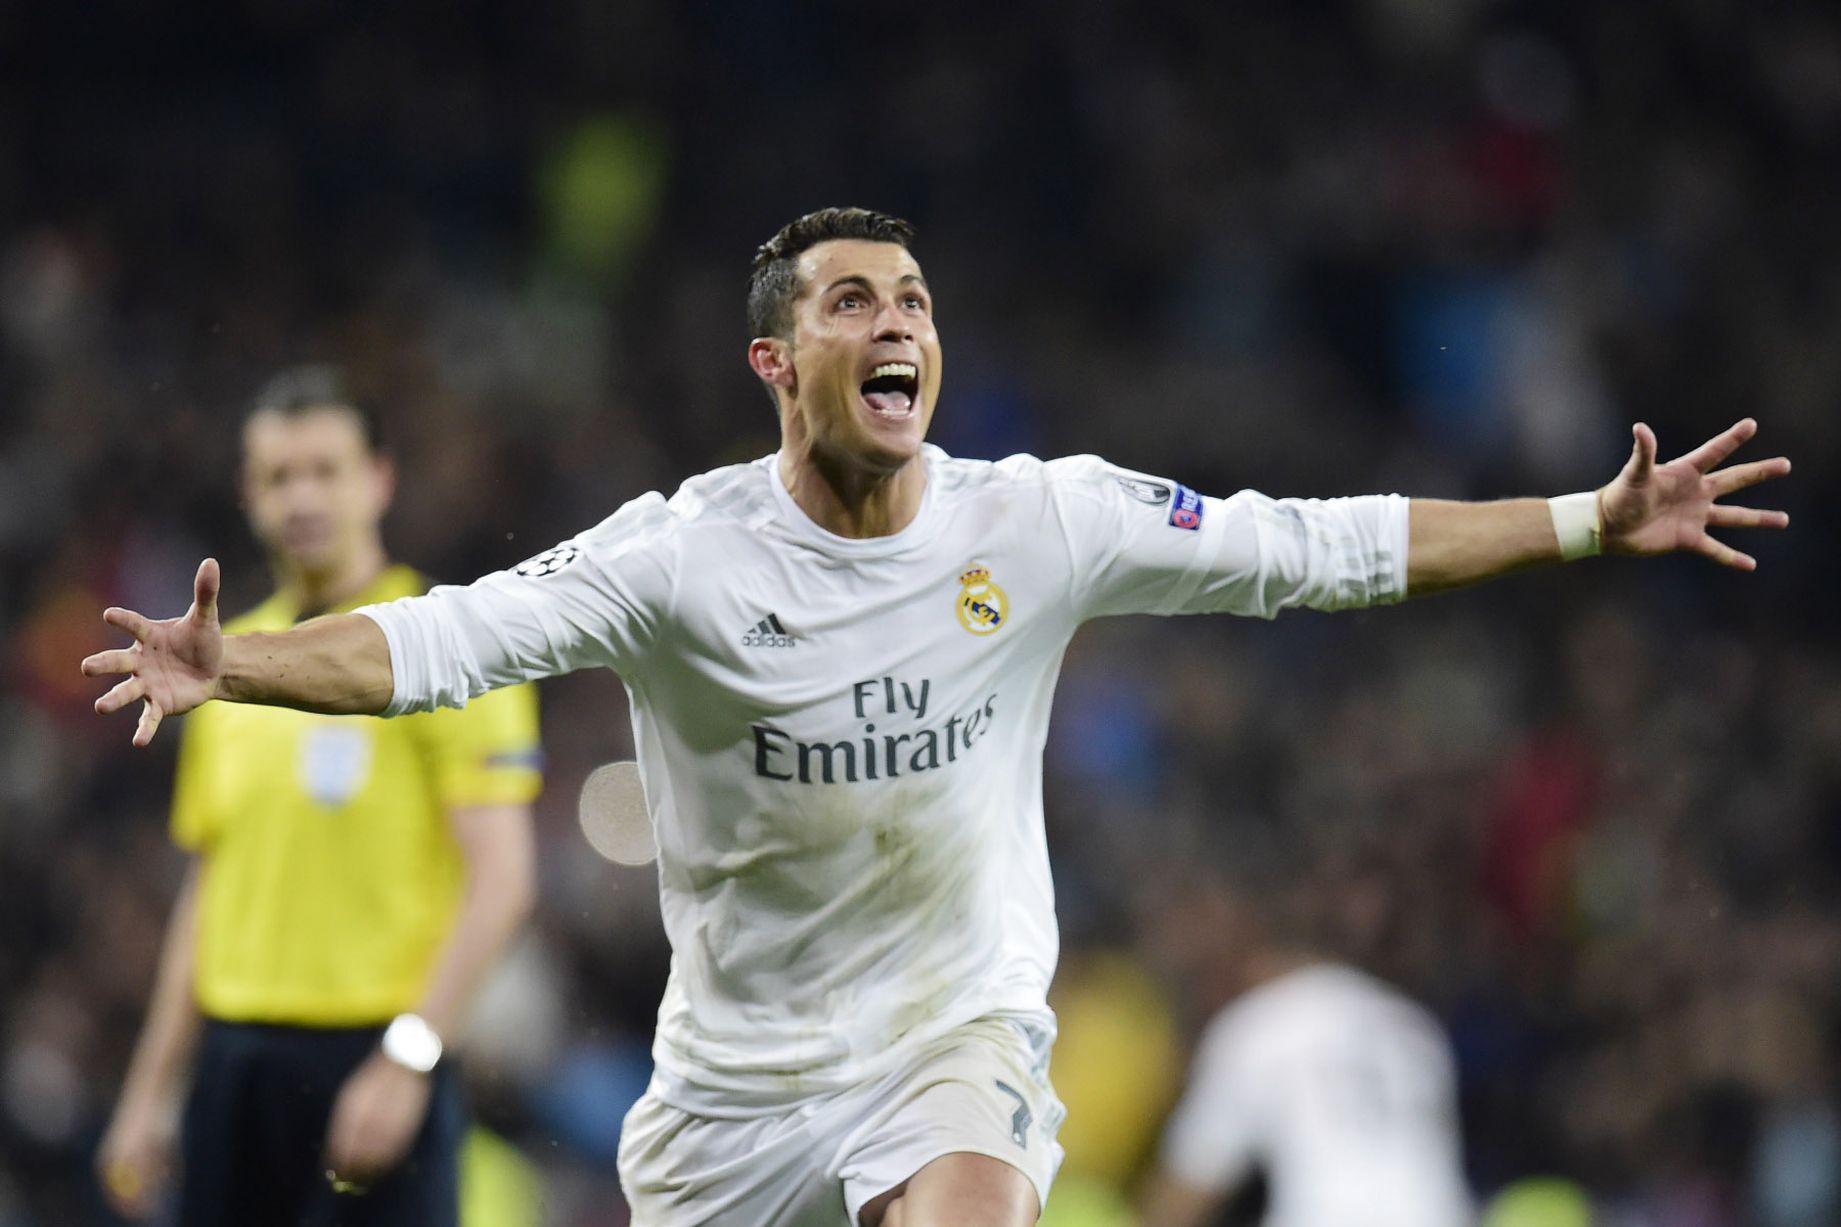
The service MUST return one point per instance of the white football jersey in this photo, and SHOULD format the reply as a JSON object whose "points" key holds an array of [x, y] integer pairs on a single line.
{"points": [[841, 740], [1338, 1087]]}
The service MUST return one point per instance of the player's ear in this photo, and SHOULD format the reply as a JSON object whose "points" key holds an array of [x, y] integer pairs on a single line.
{"points": [[772, 359]]}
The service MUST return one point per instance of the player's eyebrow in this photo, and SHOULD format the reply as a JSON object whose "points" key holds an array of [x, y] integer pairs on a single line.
{"points": [[862, 282]]}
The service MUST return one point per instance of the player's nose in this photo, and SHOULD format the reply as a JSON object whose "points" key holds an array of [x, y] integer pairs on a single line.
{"points": [[892, 325]]}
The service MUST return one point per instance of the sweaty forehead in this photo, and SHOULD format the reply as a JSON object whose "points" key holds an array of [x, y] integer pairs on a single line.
{"points": [[878, 263]]}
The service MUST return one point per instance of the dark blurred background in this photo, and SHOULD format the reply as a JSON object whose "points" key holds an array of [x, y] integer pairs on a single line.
{"points": [[1444, 247]]}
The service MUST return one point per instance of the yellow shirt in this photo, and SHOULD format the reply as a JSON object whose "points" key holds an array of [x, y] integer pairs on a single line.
{"points": [[330, 871]]}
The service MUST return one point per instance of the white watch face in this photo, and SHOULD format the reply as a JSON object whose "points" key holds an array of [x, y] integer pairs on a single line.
{"points": [[412, 1043]]}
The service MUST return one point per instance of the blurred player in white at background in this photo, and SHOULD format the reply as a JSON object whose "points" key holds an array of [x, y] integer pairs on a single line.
{"points": [[841, 660], [1326, 1085]]}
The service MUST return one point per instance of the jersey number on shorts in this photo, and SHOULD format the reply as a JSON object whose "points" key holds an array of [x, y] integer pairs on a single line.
{"points": [[1020, 1119]]}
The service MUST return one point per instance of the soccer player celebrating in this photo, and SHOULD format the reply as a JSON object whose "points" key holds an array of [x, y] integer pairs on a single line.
{"points": [[840, 659], [353, 880]]}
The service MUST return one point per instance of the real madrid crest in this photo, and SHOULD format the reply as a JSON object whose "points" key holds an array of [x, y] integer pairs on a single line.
{"points": [[983, 607]]}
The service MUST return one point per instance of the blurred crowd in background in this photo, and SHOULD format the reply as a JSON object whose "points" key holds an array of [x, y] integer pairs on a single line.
{"points": [[1591, 817]]}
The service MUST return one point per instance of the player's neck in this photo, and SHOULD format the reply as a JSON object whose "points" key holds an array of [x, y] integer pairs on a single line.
{"points": [[1267, 965], [314, 590], [851, 501]]}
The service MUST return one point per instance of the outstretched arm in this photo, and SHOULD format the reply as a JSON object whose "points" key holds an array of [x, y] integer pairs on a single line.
{"points": [[339, 665], [1646, 509]]}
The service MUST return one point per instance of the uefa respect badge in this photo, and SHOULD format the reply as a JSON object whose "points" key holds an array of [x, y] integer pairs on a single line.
{"points": [[1185, 508]]}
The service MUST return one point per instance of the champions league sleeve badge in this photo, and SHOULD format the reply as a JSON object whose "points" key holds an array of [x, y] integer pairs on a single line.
{"points": [[1185, 505], [547, 563], [1150, 493]]}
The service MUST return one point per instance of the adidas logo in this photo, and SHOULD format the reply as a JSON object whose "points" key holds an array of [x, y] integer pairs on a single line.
{"points": [[768, 633]]}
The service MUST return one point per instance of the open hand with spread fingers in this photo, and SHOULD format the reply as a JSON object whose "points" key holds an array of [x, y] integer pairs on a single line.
{"points": [[1656, 509], [173, 665]]}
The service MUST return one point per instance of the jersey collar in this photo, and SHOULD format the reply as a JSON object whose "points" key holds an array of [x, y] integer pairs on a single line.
{"points": [[395, 580]]}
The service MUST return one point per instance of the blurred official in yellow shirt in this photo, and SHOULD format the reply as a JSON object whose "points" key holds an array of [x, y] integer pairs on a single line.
{"points": [[353, 881]]}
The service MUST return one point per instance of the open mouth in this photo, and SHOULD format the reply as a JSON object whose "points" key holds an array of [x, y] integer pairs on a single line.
{"points": [[891, 389]]}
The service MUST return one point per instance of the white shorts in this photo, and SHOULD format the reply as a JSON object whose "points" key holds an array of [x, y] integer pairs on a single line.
{"points": [[982, 1088]]}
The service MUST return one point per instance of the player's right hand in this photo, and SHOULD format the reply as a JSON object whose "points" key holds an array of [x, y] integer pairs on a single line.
{"points": [[135, 1161], [174, 664]]}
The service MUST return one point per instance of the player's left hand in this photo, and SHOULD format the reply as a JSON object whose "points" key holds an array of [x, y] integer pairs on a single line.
{"points": [[374, 1121], [1656, 509]]}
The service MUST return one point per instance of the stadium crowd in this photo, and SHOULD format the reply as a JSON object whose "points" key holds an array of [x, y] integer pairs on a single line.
{"points": [[1591, 817]]}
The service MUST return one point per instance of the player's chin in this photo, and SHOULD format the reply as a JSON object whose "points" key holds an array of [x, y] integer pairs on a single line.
{"points": [[312, 554]]}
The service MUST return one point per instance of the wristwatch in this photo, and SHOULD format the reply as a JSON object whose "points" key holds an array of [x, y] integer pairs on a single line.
{"points": [[412, 1043]]}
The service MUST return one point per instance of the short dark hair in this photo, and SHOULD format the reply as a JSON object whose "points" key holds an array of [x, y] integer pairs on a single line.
{"points": [[316, 386], [773, 285]]}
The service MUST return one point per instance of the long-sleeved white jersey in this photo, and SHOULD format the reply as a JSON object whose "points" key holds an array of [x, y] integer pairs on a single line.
{"points": [[841, 740], [1342, 1090]]}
